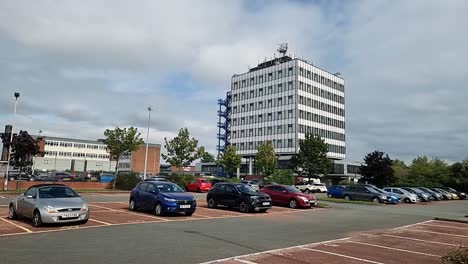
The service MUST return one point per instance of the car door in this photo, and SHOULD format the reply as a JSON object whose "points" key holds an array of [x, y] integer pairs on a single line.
{"points": [[273, 192], [151, 194], [29, 202], [231, 196], [140, 196], [366, 194], [283, 196]]}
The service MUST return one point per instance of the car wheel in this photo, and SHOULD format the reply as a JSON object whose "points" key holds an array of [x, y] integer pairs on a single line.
{"points": [[347, 198], [244, 207], [293, 203], [212, 203], [12, 213], [132, 205], [158, 209], [189, 213], [262, 210], [37, 219], [375, 200], [329, 195], [407, 200]]}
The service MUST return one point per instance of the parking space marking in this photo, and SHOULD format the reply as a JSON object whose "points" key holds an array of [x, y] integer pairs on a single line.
{"points": [[437, 233], [206, 216], [396, 249], [341, 255], [1, 196], [420, 240], [405, 226], [125, 212], [21, 227], [446, 226], [245, 261], [98, 221]]}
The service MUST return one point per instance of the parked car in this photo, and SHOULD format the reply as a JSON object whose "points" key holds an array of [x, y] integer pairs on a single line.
{"points": [[422, 196], [14, 176], [215, 181], [238, 195], [83, 176], [461, 195], [107, 178], [161, 198], [435, 195], [394, 198], [49, 203], [365, 193], [59, 176], [156, 179], [198, 185], [311, 187], [289, 195], [335, 191], [443, 194], [253, 184], [404, 195]]}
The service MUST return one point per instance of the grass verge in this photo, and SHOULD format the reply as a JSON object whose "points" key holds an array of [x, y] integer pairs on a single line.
{"points": [[338, 200]]}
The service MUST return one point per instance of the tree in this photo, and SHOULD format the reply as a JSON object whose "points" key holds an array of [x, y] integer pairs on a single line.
{"points": [[401, 172], [282, 177], [23, 149], [312, 156], [265, 160], [377, 169], [207, 157], [181, 150], [121, 142], [229, 160]]}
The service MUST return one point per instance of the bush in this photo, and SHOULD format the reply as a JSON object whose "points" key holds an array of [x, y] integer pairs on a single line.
{"points": [[126, 181], [346, 182], [233, 180], [181, 179], [282, 177], [457, 255]]}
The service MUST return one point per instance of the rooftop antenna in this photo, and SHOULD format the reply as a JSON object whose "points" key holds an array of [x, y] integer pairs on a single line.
{"points": [[283, 48]]}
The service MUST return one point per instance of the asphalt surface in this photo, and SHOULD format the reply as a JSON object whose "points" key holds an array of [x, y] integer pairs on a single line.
{"points": [[200, 241]]}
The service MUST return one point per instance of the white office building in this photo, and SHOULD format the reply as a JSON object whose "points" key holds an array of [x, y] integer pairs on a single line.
{"points": [[280, 101]]}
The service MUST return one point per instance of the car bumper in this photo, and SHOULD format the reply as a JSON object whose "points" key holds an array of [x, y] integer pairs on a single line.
{"points": [[265, 204], [308, 203], [52, 218], [178, 208]]}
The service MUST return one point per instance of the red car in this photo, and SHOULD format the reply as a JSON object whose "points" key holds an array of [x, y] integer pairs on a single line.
{"points": [[198, 185], [289, 195]]}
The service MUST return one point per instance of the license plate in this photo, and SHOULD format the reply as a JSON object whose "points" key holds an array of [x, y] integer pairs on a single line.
{"points": [[185, 206], [70, 215], [266, 203]]}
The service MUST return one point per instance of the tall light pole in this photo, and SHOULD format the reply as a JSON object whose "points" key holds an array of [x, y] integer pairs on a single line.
{"points": [[5, 184], [147, 138]]}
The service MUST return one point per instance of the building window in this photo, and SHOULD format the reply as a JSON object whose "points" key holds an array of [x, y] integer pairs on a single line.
{"points": [[251, 107], [290, 143], [279, 129], [260, 91], [280, 101], [290, 85], [290, 99], [260, 105], [259, 132], [290, 128], [279, 143], [280, 74], [280, 115], [290, 113], [269, 117], [260, 118], [269, 130], [270, 102]]}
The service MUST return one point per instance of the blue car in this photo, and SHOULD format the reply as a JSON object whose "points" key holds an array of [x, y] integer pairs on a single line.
{"points": [[162, 198], [335, 191], [394, 199]]}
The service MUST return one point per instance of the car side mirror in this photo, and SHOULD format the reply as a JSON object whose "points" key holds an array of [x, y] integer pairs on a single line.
{"points": [[29, 196]]}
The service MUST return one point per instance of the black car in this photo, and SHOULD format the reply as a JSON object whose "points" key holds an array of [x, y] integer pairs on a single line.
{"points": [[216, 181], [238, 195], [13, 176]]}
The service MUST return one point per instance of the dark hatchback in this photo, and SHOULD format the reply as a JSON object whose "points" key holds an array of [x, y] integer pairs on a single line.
{"points": [[161, 198], [238, 195]]}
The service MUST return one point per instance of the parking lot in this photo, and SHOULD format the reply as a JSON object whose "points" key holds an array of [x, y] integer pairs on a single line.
{"points": [[116, 213], [425, 242]]}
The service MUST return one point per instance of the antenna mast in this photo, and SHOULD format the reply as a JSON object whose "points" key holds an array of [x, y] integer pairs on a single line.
{"points": [[282, 49]]}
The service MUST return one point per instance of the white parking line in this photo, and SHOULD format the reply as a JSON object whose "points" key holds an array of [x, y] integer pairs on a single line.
{"points": [[1, 196], [396, 249], [445, 226], [405, 226], [245, 261], [420, 240], [341, 255], [125, 212], [23, 228], [437, 233], [101, 222]]}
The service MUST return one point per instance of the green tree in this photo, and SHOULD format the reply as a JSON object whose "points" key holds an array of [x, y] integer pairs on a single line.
{"points": [[23, 149], [377, 169], [265, 160], [420, 172], [312, 156], [229, 160], [282, 177], [207, 157], [401, 172], [121, 142], [182, 150]]}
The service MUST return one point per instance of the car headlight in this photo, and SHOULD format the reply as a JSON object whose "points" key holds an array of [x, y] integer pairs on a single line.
{"points": [[50, 209], [254, 197], [84, 207], [169, 200], [383, 197], [304, 198]]}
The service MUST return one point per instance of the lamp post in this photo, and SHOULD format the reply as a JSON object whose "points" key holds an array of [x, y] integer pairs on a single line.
{"points": [[5, 184], [147, 138]]}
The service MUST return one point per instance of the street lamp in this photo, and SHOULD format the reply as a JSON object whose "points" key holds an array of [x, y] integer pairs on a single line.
{"points": [[147, 138], [5, 184]]}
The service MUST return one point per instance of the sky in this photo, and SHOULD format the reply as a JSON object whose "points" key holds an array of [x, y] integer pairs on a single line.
{"points": [[84, 66]]}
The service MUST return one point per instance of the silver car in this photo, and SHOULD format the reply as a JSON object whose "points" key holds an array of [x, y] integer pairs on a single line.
{"points": [[49, 203], [405, 195], [253, 184]]}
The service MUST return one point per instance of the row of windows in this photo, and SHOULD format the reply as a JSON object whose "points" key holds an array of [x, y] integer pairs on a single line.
{"points": [[74, 154], [263, 131], [253, 145], [264, 78], [321, 119], [322, 93], [280, 115], [51, 162], [263, 104], [321, 106], [75, 145], [272, 89], [321, 132], [320, 79]]}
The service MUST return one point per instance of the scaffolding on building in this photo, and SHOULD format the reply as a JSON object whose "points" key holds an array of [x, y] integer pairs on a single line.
{"points": [[224, 127]]}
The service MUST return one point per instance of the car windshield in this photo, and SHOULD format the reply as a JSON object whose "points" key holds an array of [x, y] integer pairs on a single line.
{"points": [[169, 187], [56, 192], [378, 190], [292, 189], [451, 189], [244, 188]]}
